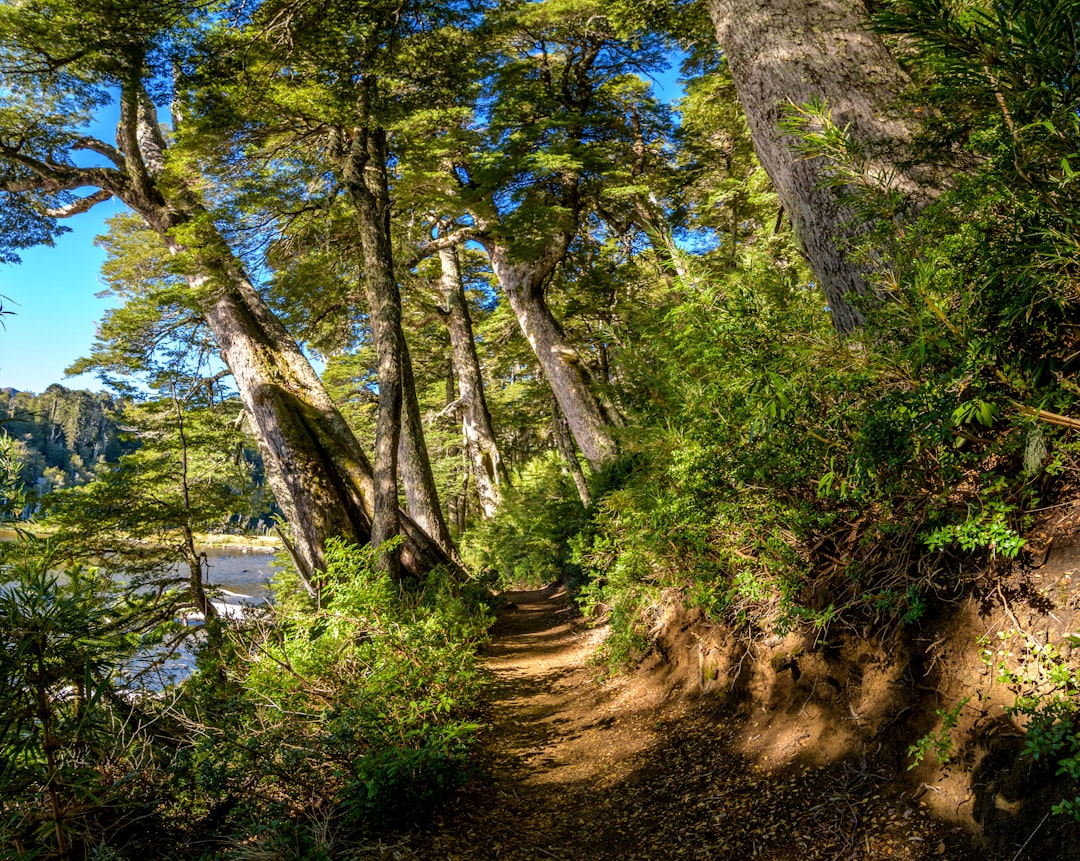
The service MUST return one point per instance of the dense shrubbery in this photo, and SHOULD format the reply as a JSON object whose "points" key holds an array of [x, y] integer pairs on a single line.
{"points": [[300, 729], [357, 711], [78, 760], [527, 544]]}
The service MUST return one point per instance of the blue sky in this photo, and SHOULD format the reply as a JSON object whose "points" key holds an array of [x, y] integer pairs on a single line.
{"points": [[53, 294]]}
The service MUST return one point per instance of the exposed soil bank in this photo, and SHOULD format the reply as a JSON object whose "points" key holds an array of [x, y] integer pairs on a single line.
{"points": [[665, 763]]}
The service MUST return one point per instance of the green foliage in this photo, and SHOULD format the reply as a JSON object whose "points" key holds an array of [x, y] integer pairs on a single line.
{"points": [[527, 543], [988, 529], [689, 515], [784, 480], [12, 494], [61, 437], [194, 470], [1047, 688], [939, 743], [361, 710], [77, 762]]}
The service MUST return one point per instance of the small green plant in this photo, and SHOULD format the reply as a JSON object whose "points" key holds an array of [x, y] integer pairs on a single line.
{"points": [[989, 529], [941, 743], [526, 543], [1047, 704]]}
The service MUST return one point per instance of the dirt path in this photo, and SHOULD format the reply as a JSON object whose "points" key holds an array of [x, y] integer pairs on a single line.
{"points": [[588, 771]]}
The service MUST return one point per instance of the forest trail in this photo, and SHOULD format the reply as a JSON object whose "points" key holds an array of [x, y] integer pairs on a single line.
{"points": [[585, 770]]}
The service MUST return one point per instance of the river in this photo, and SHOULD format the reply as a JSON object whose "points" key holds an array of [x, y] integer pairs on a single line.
{"points": [[239, 579], [242, 576]]}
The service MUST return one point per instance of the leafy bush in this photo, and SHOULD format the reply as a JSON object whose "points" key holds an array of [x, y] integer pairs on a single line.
{"points": [[526, 544], [357, 711], [786, 478], [79, 765]]}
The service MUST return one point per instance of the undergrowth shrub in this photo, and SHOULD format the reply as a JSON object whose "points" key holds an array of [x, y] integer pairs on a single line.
{"points": [[80, 768], [329, 720], [527, 542], [1046, 686], [83, 768], [714, 505]]}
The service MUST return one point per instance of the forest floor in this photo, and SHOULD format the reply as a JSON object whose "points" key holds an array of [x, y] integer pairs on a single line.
{"points": [[581, 768]]}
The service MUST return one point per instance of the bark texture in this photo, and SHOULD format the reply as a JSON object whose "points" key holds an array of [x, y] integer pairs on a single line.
{"points": [[400, 449], [364, 174], [590, 420], [481, 447], [783, 53], [317, 468]]}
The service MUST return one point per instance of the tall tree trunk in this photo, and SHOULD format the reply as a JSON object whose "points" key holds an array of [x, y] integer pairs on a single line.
{"points": [[481, 446], [316, 467], [190, 552], [790, 52], [414, 464], [565, 444], [590, 420], [366, 183], [399, 428]]}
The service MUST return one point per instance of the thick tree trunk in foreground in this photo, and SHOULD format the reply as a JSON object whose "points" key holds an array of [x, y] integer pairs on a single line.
{"points": [[523, 282], [317, 469], [481, 446], [790, 52]]}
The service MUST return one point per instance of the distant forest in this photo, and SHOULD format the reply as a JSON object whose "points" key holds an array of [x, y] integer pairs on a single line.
{"points": [[65, 439], [62, 436]]}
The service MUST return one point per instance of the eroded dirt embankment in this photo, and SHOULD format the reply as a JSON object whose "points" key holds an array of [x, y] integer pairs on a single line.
{"points": [[653, 767]]}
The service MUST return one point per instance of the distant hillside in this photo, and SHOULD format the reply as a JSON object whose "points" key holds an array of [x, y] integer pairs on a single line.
{"points": [[62, 435]]}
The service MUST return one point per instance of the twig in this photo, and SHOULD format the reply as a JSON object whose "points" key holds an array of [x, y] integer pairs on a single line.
{"points": [[1008, 610], [1030, 837], [1047, 416]]}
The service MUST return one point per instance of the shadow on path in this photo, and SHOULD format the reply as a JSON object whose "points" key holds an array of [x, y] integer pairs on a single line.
{"points": [[584, 770]]}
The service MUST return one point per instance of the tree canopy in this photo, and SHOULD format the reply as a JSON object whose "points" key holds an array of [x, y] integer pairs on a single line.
{"points": [[478, 307]]}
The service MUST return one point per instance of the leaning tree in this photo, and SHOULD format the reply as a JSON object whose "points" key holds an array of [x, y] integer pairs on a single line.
{"points": [[61, 64]]}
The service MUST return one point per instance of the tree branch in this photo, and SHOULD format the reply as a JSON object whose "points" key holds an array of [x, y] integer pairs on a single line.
{"points": [[433, 246], [101, 148], [57, 177], [83, 204]]}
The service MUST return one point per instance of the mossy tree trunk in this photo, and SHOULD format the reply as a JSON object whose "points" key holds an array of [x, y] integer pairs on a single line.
{"points": [[399, 427], [790, 53]]}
